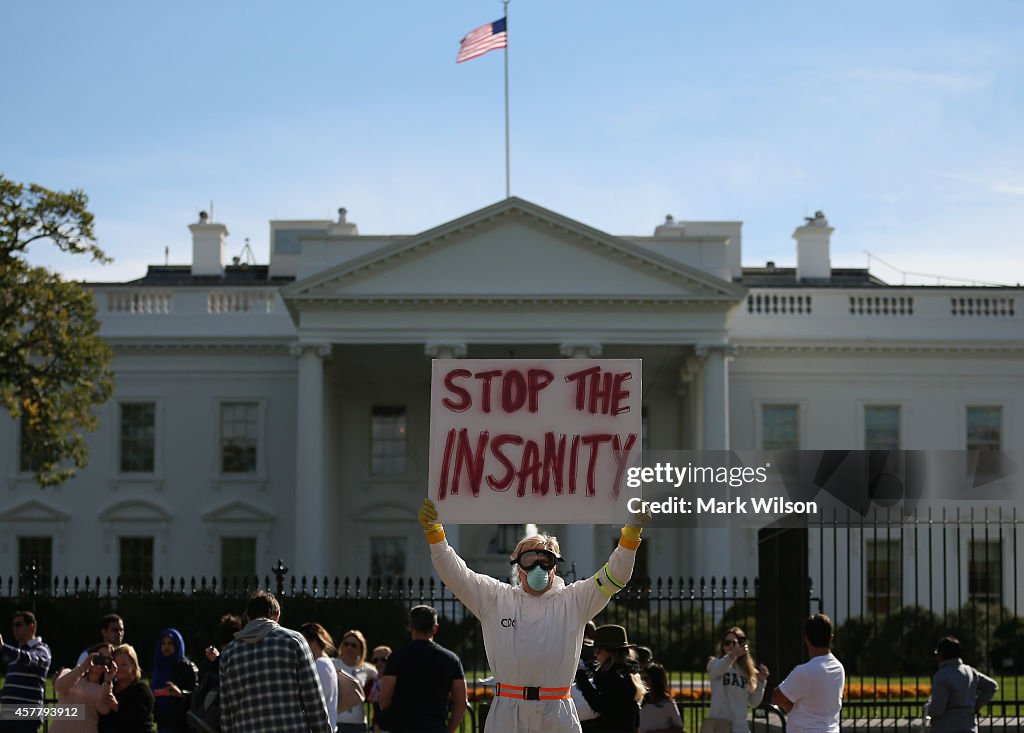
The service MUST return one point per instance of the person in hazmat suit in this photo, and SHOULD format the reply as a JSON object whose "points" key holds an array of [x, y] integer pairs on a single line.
{"points": [[533, 632]]}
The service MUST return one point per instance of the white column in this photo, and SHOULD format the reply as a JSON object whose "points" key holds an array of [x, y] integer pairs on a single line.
{"points": [[715, 417], [714, 550], [309, 460], [447, 350], [578, 544]]}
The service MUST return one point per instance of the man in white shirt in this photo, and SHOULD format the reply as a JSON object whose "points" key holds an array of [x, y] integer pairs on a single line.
{"points": [[812, 694]]}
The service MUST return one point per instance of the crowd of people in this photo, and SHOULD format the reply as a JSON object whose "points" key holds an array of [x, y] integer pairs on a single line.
{"points": [[554, 670]]}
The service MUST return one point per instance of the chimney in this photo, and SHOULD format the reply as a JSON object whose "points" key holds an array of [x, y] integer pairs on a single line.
{"points": [[208, 246], [813, 264], [343, 227]]}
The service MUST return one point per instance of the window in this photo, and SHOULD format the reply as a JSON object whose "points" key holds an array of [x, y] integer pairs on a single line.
{"points": [[27, 462], [985, 571], [505, 539], [136, 562], [645, 429], [387, 557], [984, 428], [138, 437], [882, 427], [388, 444], [237, 558], [884, 582], [239, 436], [40, 551], [780, 426]]}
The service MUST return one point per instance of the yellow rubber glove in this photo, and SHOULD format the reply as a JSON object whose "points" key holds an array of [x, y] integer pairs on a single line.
{"points": [[632, 529], [428, 518]]}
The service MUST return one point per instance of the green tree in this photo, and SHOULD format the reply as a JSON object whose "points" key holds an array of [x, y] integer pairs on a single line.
{"points": [[54, 368]]}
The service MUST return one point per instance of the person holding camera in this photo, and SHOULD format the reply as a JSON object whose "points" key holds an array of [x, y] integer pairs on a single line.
{"points": [[83, 686], [735, 685]]}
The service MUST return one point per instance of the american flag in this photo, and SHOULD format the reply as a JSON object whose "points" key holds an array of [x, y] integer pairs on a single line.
{"points": [[483, 39]]}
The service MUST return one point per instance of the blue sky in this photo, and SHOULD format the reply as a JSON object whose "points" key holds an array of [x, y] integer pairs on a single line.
{"points": [[902, 121]]}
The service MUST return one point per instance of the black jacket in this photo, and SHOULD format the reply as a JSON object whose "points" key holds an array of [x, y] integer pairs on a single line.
{"points": [[613, 695]]}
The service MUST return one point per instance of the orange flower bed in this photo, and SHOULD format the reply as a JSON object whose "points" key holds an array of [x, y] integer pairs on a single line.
{"points": [[885, 691]]}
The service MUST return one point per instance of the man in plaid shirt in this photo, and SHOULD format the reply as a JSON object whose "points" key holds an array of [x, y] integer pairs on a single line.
{"points": [[268, 679]]}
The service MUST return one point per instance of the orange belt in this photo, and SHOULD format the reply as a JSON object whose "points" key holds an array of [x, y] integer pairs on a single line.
{"points": [[531, 693]]}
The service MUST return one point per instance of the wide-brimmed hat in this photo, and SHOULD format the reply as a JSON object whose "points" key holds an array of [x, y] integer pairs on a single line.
{"points": [[612, 636]]}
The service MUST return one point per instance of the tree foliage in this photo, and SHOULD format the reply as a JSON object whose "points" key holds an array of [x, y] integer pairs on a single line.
{"points": [[54, 368]]}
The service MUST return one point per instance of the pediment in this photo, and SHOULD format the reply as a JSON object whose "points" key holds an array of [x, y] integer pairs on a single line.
{"points": [[386, 512], [237, 512], [135, 510], [33, 511], [513, 250]]}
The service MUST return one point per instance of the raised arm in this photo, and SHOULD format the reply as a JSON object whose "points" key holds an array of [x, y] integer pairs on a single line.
{"points": [[475, 590], [613, 577]]}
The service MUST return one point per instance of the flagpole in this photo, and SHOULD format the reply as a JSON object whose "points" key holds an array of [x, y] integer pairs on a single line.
{"points": [[508, 186]]}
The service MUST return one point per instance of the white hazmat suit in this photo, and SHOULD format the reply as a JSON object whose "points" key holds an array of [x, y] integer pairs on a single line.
{"points": [[533, 641]]}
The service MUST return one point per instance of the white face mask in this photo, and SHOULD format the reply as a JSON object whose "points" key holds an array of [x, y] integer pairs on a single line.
{"points": [[537, 578]]}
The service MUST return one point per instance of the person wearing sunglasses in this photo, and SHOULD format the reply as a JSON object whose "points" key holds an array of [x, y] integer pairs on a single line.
{"points": [[735, 684], [27, 661], [351, 660], [379, 657], [532, 631]]}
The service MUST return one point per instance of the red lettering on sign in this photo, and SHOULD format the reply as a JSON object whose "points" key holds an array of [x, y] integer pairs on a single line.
{"points": [[513, 391], [574, 457], [472, 459], [621, 455], [462, 392], [485, 402], [580, 378], [497, 444], [442, 490], [619, 394], [554, 460], [537, 379], [594, 441], [531, 466]]}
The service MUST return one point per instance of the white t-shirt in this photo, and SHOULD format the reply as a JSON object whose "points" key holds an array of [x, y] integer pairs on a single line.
{"points": [[816, 690], [364, 674], [329, 684]]}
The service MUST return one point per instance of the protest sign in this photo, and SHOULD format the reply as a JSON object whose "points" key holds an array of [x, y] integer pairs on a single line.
{"points": [[519, 440]]}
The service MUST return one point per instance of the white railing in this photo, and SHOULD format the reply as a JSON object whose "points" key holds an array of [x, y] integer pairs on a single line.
{"points": [[982, 306], [139, 301], [785, 304], [240, 301], [881, 305]]}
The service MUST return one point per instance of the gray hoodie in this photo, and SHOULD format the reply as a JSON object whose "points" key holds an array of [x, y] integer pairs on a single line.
{"points": [[731, 694]]}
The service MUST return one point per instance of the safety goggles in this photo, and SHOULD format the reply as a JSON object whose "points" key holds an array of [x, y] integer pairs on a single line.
{"points": [[529, 559]]}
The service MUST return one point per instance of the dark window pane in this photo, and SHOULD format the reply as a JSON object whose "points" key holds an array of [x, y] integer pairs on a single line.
{"points": [[239, 437], [882, 427], [136, 562], [780, 427], [40, 551], [138, 437], [237, 558], [984, 428], [388, 441]]}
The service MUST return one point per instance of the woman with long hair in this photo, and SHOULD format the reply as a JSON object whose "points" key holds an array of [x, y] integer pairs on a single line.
{"points": [[351, 659], [735, 684], [659, 713], [617, 690], [322, 646]]}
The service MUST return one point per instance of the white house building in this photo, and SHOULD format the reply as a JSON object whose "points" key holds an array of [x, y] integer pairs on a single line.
{"points": [[281, 410]]}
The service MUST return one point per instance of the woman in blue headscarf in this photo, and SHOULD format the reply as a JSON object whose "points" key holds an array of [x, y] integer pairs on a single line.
{"points": [[174, 679]]}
